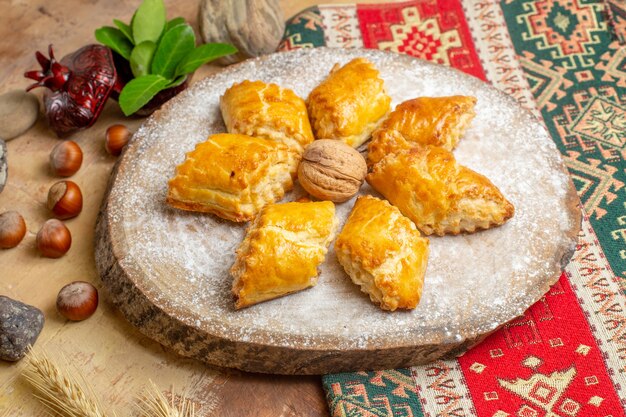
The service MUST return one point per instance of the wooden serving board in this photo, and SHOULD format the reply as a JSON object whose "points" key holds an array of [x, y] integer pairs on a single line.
{"points": [[167, 270]]}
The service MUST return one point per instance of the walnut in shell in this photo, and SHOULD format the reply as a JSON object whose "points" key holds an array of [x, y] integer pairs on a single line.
{"points": [[331, 170], [254, 27]]}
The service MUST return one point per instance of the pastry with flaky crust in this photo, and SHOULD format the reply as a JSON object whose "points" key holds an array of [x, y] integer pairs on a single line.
{"points": [[233, 176], [267, 111], [282, 250], [383, 252], [438, 121], [349, 103], [438, 194]]}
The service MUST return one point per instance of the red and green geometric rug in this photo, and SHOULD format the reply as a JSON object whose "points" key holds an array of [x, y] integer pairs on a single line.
{"points": [[562, 60]]}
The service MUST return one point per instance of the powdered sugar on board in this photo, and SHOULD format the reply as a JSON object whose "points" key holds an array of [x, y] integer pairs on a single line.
{"points": [[473, 284]]}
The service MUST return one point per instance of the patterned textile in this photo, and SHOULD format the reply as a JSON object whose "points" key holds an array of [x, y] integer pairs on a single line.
{"points": [[562, 60], [616, 10]]}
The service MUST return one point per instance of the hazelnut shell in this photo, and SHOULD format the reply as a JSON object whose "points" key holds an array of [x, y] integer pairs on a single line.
{"points": [[77, 301], [117, 136], [65, 200], [66, 158], [12, 229], [54, 239]]}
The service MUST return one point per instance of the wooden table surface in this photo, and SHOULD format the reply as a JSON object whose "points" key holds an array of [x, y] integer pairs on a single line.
{"points": [[114, 356]]}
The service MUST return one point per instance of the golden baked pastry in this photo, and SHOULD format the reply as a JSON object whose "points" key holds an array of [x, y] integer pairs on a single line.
{"points": [[233, 176], [282, 250], [438, 194], [349, 103], [386, 142], [267, 111], [438, 121], [383, 252]]}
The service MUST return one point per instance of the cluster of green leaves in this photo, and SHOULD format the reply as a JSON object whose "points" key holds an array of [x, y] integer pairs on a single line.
{"points": [[161, 53]]}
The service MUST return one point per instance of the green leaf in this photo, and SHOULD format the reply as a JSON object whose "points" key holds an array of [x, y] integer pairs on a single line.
{"points": [[149, 21], [141, 58], [139, 91], [114, 39], [178, 81], [174, 22], [125, 29], [173, 47], [203, 54], [132, 21]]}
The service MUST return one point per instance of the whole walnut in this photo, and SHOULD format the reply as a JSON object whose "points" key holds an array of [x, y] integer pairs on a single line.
{"points": [[254, 27], [331, 170]]}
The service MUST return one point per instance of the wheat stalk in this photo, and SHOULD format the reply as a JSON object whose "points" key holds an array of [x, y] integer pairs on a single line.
{"points": [[70, 395], [60, 392], [154, 404]]}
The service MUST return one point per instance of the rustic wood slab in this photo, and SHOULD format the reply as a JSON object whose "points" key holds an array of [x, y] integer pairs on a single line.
{"points": [[167, 270]]}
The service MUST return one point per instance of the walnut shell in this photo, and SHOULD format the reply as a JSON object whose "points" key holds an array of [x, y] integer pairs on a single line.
{"points": [[331, 170], [254, 27]]}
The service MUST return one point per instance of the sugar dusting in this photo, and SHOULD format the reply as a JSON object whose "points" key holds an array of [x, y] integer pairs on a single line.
{"points": [[473, 283]]}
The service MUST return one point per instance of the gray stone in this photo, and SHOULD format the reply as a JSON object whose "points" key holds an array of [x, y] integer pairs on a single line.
{"points": [[18, 112], [4, 166], [20, 325]]}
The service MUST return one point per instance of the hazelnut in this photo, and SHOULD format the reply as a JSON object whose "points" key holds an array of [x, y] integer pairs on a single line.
{"points": [[66, 158], [77, 301], [54, 239], [331, 170], [117, 136], [65, 200], [12, 229]]}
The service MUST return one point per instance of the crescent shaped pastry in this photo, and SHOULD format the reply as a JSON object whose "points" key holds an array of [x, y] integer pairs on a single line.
{"points": [[383, 252], [267, 111], [233, 176], [349, 103], [438, 194], [438, 121], [282, 250]]}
